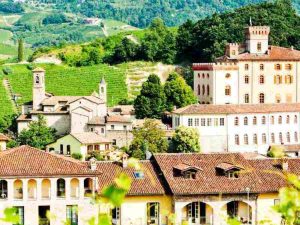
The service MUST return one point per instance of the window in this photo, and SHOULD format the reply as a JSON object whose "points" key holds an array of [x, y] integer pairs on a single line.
{"points": [[255, 139], [114, 142], [232, 174], [92, 129], [207, 75], [228, 75], [280, 138], [61, 188], [189, 175], [199, 89], [68, 150], [3, 189], [197, 122], [190, 122], [288, 79], [288, 137], [295, 119], [222, 121], [115, 216], [203, 89], [264, 138], [202, 122], [246, 78], [263, 120], [245, 121], [153, 213], [37, 79], [112, 127], [20, 214], [236, 121], [124, 127], [277, 79], [277, 98], [259, 46], [106, 146], [90, 148], [296, 136], [72, 214], [193, 211], [261, 98], [287, 119], [216, 122], [102, 130], [288, 66], [233, 52], [272, 120], [246, 98], [277, 67], [279, 119], [273, 138], [203, 75], [96, 147], [246, 66], [207, 90], [261, 67], [209, 122], [61, 151], [254, 120], [198, 75], [237, 139], [246, 141], [261, 79], [227, 90]]}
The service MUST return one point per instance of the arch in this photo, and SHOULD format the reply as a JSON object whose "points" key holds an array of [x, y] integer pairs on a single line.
{"points": [[261, 98], [295, 119], [279, 119], [88, 187], [207, 90], [18, 189], [254, 120], [46, 189], [199, 89], [287, 119], [227, 90], [37, 79], [255, 139], [236, 121], [246, 79], [246, 140], [272, 119], [264, 138], [32, 189], [288, 79], [74, 184], [288, 137], [246, 120], [61, 188], [197, 212], [227, 75], [237, 139], [277, 66], [3, 189], [273, 138], [203, 89], [280, 138], [288, 66], [263, 120], [238, 209]]}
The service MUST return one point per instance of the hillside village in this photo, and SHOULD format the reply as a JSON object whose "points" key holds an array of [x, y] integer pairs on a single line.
{"points": [[121, 133]]}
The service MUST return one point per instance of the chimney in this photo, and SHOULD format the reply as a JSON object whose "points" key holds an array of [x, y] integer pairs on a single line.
{"points": [[292, 47], [124, 160], [93, 164], [285, 166]]}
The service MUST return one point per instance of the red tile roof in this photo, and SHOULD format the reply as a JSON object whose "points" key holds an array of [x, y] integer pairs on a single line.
{"points": [[25, 161], [118, 119], [3, 137]]}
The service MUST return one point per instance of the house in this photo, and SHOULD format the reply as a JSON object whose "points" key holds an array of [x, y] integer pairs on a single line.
{"points": [[252, 72], [242, 128], [81, 143], [75, 114], [3, 142]]}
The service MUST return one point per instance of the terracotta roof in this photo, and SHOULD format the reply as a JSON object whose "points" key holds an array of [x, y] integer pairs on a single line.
{"points": [[122, 109], [149, 185], [24, 117], [260, 175], [69, 99], [3, 137], [90, 138], [228, 166], [97, 120], [236, 109], [185, 167], [18, 162], [118, 119], [292, 148]]}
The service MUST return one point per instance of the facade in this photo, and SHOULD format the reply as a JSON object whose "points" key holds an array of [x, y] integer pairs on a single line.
{"points": [[243, 128], [3, 142], [250, 73], [74, 114]]}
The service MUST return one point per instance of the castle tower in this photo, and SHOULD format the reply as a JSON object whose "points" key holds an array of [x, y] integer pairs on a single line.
{"points": [[38, 92], [232, 50], [257, 39], [102, 90]]}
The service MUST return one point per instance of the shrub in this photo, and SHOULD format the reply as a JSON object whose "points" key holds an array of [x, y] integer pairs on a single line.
{"points": [[95, 155], [76, 156], [276, 152], [7, 70]]}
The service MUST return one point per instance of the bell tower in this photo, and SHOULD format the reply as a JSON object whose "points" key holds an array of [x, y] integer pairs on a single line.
{"points": [[38, 92], [102, 90], [257, 39]]}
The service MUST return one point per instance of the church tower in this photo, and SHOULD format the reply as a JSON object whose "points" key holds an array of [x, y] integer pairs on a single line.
{"points": [[38, 92], [257, 39], [102, 90]]}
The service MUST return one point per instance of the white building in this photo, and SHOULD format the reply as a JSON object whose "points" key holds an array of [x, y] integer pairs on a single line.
{"points": [[242, 128], [250, 73]]}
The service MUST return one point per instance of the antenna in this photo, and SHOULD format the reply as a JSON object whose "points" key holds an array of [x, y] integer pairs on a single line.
{"points": [[250, 21]]}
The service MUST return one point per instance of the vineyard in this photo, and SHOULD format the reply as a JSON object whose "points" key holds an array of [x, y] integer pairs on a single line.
{"points": [[5, 103], [63, 80]]}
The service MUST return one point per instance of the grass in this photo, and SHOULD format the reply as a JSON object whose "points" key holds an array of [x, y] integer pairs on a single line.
{"points": [[12, 50], [5, 36], [5, 103], [63, 80], [34, 18]]}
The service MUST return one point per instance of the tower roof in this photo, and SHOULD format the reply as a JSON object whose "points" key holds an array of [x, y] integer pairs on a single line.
{"points": [[102, 81], [38, 69]]}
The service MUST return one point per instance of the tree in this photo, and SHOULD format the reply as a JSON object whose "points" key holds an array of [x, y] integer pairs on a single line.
{"points": [[125, 51], [8, 124], [150, 103], [20, 50], [276, 151], [185, 139], [178, 93], [37, 135], [150, 137], [184, 39]]}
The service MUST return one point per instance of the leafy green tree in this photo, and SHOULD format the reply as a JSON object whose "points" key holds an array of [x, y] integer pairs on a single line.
{"points": [[37, 135], [178, 93], [150, 103], [150, 138], [20, 50], [185, 139], [8, 124], [126, 51], [185, 40]]}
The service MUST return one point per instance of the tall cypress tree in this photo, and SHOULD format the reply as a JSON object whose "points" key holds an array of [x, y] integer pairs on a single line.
{"points": [[20, 50]]}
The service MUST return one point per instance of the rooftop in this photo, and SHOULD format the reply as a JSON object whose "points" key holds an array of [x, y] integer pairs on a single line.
{"points": [[90, 138]]}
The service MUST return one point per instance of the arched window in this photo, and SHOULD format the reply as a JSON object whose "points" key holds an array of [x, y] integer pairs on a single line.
{"points": [[203, 89], [245, 121], [261, 98], [255, 139], [261, 79], [273, 138], [288, 137], [246, 98], [227, 90], [237, 139], [207, 75], [236, 121], [254, 120], [3, 189], [261, 67], [279, 119], [277, 79], [198, 75], [272, 120], [259, 46], [246, 66], [277, 66], [88, 187], [287, 119], [246, 141], [199, 89], [280, 138], [203, 75], [277, 98], [263, 120], [246, 78], [295, 119], [288, 79], [61, 188], [207, 90], [37, 79], [288, 66], [228, 75], [264, 138], [296, 136]]}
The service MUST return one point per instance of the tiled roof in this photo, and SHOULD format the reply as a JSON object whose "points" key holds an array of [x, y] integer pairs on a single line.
{"points": [[97, 120], [18, 162], [228, 166], [236, 109], [90, 138], [184, 167], [69, 99], [149, 185], [260, 175], [24, 117], [292, 148], [118, 119], [3, 137]]}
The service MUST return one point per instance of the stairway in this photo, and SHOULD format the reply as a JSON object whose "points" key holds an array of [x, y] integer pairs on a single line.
{"points": [[10, 92]]}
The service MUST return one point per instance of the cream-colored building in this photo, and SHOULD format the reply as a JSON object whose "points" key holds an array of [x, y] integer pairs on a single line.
{"points": [[250, 73], [242, 128], [75, 114], [3, 142]]}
